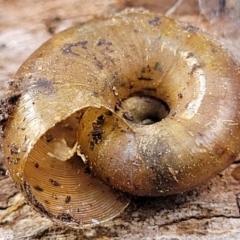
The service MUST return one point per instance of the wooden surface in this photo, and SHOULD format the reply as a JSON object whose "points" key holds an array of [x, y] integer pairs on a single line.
{"points": [[211, 211]]}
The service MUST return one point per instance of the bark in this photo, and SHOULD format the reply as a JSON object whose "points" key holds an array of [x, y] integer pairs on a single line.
{"points": [[211, 211]]}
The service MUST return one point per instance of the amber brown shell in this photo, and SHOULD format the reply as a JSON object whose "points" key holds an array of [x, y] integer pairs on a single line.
{"points": [[77, 127]]}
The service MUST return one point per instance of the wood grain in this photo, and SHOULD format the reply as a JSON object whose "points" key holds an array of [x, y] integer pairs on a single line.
{"points": [[211, 211]]}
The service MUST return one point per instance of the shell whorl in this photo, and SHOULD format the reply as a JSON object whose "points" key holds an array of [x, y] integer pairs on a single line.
{"points": [[149, 104]]}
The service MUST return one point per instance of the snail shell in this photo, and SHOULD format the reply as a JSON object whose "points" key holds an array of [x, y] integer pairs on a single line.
{"points": [[147, 105]]}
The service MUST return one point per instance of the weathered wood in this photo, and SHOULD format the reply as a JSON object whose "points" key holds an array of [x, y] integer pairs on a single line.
{"points": [[211, 211]]}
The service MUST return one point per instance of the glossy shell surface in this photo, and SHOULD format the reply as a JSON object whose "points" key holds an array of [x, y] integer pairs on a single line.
{"points": [[73, 135]]}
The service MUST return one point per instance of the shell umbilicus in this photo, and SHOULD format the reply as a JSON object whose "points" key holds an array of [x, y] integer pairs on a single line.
{"points": [[137, 103]]}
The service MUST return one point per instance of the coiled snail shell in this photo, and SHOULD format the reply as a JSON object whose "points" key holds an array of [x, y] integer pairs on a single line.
{"points": [[147, 105]]}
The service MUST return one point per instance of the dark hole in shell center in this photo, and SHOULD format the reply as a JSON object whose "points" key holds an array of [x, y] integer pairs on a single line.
{"points": [[143, 110]]}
